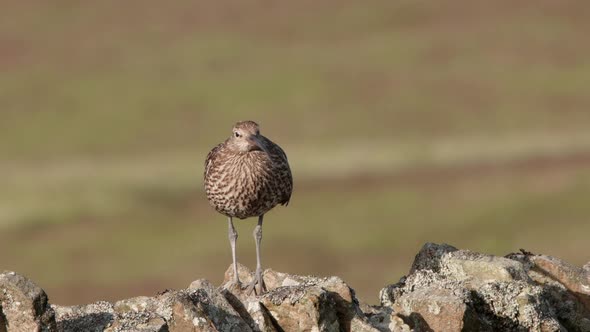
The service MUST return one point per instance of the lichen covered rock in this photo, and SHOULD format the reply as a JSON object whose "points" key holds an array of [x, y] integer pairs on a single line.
{"points": [[447, 289], [450, 289], [23, 305]]}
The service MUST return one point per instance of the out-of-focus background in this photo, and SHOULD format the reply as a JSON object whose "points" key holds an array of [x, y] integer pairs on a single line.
{"points": [[405, 122]]}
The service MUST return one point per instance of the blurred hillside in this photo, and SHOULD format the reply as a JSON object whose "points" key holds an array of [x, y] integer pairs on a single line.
{"points": [[405, 122]]}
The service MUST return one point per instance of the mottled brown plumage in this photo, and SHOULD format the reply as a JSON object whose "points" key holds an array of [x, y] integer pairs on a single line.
{"points": [[247, 180], [246, 176]]}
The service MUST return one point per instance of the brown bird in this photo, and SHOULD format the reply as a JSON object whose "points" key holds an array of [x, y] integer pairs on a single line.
{"points": [[246, 176]]}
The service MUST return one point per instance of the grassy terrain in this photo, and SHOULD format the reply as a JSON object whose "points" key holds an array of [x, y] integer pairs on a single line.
{"points": [[405, 122]]}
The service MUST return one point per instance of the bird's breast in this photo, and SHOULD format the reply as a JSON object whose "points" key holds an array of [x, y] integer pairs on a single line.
{"points": [[242, 185]]}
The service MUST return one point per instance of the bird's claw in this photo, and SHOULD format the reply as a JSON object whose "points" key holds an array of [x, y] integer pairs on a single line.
{"points": [[257, 280], [234, 285]]}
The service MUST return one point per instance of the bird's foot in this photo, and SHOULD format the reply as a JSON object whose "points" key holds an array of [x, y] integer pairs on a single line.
{"points": [[233, 285], [257, 281]]}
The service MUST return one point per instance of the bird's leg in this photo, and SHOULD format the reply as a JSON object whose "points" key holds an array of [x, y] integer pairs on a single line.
{"points": [[233, 236], [258, 277]]}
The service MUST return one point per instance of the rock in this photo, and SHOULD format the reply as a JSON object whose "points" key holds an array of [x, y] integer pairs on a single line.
{"points": [[358, 324], [91, 317], [24, 305], [244, 274], [256, 315], [384, 319], [426, 300], [510, 306], [566, 287], [249, 308], [139, 323], [142, 313], [185, 312], [438, 309], [575, 279], [447, 289], [301, 308], [477, 269], [299, 303], [428, 258], [2, 321], [218, 309], [457, 289]]}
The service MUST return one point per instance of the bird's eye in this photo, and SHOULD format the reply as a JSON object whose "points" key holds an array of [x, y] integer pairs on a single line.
{"points": [[237, 134]]}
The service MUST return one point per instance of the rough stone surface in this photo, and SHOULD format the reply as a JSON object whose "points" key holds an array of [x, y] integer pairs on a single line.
{"points": [[447, 289], [2, 321], [477, 269], [429, 257], [424, 308], [384, 319], [91, 317], [299, 303], [451, 289], [575, 279], [565, 287], [24, 305]]}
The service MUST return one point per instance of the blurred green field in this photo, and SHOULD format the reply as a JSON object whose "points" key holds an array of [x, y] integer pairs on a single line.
{"points": [[405, 122]]}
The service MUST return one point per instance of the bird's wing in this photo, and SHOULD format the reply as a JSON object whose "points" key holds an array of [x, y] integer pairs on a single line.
{"points": [[210, 160], [275, 150], [287, 197], [283, 167], [289, 177]]}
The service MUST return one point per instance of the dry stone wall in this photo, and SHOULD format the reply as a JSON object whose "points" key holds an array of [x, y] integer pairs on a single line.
{"points": [[447, 289]]}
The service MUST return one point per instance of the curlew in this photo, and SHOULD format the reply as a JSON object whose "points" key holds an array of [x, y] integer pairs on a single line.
{"points": [[246, 176]]}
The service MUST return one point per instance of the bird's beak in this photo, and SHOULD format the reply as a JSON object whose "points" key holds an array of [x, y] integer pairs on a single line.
{"points": [[256, 144]]}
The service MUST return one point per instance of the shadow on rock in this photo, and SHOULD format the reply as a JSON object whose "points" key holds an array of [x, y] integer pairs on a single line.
{"points": [[447, 289], [94, 322], [417, 322]]}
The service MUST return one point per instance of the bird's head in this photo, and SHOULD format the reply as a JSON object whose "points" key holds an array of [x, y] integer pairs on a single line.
{"points": [[246, 137]]}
